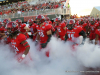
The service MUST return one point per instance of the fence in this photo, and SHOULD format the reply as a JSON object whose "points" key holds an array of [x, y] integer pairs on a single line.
{"points": [[37, 12]]}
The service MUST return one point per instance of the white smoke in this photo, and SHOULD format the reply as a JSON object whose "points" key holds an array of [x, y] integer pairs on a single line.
{"points": [[63, 60]]}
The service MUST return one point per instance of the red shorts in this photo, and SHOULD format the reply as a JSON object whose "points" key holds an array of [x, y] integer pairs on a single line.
{"points": [[92, 36]]}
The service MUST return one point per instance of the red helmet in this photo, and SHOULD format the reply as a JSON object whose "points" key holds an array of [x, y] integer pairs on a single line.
{"points": [[13, 26], [47, 18], [81, 21], [5, 21], [70, 23], [30, 21], [41, 19], [19, 21], [57, 20]]}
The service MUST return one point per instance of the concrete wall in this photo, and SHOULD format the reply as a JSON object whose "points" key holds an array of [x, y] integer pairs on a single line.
{"points": [[95, 12]]}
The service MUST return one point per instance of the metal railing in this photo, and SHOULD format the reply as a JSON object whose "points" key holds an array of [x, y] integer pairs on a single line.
{"points": [[37, 12]]}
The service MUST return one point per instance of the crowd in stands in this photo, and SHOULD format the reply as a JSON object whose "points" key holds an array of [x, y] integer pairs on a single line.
{"points": [[25, 6]]}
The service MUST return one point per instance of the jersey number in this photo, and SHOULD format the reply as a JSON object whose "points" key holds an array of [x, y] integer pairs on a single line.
{"points": [[41, 34], [59, 30], [16, 49], [70, 35]]}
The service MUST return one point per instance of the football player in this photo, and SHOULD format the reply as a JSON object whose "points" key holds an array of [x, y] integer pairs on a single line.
{"points": [[18, 41], [44, 32], [23, 28]]}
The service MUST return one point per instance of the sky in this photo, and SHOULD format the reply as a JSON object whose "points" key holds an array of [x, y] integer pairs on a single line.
{"points": [[83, 7]]}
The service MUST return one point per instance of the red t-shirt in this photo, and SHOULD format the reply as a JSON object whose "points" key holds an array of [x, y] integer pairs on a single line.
{"points": [[16, 43], [56, 6]]}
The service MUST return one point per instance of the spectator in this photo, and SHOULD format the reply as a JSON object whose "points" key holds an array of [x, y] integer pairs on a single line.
{"points": [[0, 12], [19, 12], [68, 5], [24, 7], [68, 9]]}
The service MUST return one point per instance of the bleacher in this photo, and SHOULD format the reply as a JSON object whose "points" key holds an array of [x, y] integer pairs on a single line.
{"points": [[22, 9]]}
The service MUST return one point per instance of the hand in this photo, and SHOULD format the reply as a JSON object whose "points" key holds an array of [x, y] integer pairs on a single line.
{"points": [[36, 42], [64, 37], [34, 34], [21, 58]]}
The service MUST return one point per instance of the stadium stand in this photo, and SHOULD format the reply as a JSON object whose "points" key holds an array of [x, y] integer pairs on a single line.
{"points": [[33, 8]]}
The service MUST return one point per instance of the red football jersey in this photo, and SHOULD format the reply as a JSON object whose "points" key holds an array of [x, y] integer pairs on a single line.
{"points": [[52, 28], [2, 30], [7, 40], [54, 25], [93, 27], [77, 23], [16, 43], [43, 32], [98, 32], [83, 26], [49, 22], [74, 33], [33, 28], [60, 29]]}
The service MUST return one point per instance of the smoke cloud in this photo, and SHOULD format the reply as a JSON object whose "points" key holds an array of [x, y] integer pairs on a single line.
{"points": [[63, 60]]}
